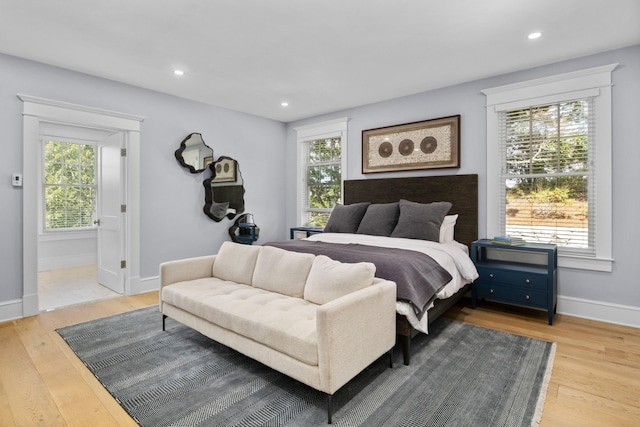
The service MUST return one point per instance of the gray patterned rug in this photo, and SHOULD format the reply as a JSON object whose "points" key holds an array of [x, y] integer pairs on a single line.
{"points": [[460, 375]]}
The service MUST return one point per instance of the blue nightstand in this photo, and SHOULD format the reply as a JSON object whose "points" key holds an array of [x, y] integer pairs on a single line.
{"points": [[521, 275], [303, 232]]}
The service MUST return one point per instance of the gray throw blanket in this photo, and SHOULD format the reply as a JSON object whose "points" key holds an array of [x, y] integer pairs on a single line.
{"points": [[418, 277]]}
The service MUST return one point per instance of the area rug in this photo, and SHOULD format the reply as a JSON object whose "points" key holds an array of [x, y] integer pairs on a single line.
{"points": [[460, 375]]}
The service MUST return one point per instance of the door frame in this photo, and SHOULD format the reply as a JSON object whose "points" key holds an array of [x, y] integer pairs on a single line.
{"points": [[37, 110]]}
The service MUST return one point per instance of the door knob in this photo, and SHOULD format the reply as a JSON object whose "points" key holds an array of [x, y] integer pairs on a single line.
{"points": [[97, 222]]}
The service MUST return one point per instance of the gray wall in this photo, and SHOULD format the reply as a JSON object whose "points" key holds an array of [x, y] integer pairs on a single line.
{"points": [[619, 287], [172, 222]]}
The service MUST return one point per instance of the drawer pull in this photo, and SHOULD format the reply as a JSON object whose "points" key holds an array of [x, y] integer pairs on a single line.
{"points": [[527, 281], [490, 275], [490, 291], [526, 297]]}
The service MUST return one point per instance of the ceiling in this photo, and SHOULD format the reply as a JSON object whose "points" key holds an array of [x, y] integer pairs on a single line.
{"points": [[319, 56]]}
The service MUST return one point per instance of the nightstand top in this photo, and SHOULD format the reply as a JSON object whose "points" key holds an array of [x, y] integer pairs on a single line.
{"points": [[529, 246]]}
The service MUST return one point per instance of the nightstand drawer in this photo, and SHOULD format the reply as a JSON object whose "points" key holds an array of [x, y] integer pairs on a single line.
{"points": [[511, 294], [511, 277]]}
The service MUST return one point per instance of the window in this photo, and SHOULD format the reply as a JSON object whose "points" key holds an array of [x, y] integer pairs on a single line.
{"points": [[547, 175], [321, 170], [69, 185], [549, 164]]}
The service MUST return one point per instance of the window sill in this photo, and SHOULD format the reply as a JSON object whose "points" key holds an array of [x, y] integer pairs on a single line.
{"points": [[585, 263]]}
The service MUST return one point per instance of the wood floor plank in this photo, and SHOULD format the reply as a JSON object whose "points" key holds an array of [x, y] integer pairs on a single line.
{"points": [[29, 399], [53, 368]]}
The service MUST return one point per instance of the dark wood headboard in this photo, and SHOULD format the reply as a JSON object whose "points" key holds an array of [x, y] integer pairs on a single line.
{"points": [[460, 190]]}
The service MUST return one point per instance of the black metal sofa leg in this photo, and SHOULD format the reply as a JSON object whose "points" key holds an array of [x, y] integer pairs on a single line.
{"points": [[329, 396], [164, 317]]}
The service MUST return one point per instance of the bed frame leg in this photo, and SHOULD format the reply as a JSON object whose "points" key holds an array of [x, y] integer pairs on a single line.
{"points": [[164, 317], [405, 340], [329, 409]]}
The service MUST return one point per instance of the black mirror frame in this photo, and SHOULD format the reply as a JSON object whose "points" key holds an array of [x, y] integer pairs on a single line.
{"points": [[183, 147]]}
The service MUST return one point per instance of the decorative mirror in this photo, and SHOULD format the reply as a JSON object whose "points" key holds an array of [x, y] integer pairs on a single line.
{"points": [[194, 154], [224, 191]]}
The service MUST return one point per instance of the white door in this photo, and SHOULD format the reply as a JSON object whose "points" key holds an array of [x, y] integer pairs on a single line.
{"points": [[110, 219]]}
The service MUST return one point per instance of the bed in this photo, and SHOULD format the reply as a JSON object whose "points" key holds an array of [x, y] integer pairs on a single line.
{"points": [[454, 270]]}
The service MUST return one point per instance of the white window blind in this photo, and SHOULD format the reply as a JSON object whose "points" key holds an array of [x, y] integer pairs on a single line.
{"points": [[547, 174]]}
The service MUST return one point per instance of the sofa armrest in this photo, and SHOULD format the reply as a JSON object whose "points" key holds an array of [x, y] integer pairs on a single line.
{"points": [[353, 331], [186, 269]]}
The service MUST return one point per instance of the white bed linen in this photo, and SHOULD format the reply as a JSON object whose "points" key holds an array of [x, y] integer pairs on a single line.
{"points": [[453, 256]]}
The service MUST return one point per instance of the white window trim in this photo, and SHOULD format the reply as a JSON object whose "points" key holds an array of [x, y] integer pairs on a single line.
{"points": [[328, 129], [592, 82]]}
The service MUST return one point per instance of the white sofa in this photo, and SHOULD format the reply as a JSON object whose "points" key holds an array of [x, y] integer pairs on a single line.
{"points": [[316, 320]]}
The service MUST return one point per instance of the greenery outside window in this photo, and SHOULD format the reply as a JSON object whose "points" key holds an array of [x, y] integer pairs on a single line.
{"points": [[549, 176], [321, 170], [69, 185]]}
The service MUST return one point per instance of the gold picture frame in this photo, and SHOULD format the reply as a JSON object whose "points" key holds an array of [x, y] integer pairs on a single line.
{"points": [[428, 144]]}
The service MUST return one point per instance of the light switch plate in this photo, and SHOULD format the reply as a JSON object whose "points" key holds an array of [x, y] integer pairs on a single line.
{"points": [[16, 180]]}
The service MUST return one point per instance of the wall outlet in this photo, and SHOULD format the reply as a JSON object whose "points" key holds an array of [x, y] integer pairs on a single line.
{"points": [[16, 180]]}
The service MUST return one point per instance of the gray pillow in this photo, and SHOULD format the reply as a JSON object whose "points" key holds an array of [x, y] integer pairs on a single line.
{"points": [[420, 221], [379, 219], [346, 218]]}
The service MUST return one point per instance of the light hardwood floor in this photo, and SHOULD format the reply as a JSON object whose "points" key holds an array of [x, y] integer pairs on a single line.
{"points": [[595, 380]]}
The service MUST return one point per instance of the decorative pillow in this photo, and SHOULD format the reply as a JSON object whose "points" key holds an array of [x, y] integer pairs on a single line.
{"points": [[282, 271], [379, 219], [346, 218], [235, 262], [420, 221], [447, 228], [329, 279]]}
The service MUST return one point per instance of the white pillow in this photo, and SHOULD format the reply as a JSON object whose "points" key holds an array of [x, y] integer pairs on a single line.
{"points": [[447, 228], [282, 271], [329, 279], [235, 262]]}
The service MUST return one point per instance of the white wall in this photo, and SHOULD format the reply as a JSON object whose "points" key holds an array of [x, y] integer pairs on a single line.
{"points": [[173, 224], [611, 296], [67, 250]]}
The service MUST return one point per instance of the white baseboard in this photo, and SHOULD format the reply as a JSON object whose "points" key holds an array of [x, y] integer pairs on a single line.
{"points": [[596, 310], [10, 310], [147, 284]]}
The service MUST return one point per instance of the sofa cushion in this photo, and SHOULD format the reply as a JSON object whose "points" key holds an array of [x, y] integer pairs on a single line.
{"points": [[283, 323], [282, 271], [329, 279], [235, 262]]}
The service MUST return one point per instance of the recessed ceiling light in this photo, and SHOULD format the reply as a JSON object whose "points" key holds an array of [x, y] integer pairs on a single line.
{"points": [[178, 72], [534, 35], [284, 104]]}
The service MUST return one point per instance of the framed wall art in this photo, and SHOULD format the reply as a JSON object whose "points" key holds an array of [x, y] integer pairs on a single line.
{"points": [[429, 144], [225, 168]]}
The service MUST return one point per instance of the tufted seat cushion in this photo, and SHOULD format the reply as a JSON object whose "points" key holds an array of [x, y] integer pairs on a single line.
{"points": [[284, 323]]}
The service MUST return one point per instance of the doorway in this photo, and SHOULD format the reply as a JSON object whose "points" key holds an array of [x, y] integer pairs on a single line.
{"points": [[41, 115], [79, 227]]}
